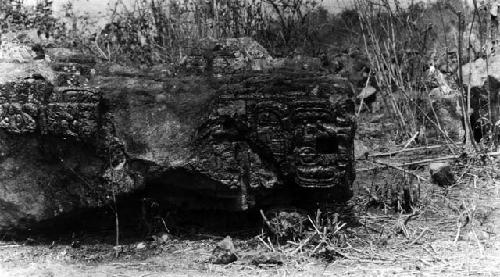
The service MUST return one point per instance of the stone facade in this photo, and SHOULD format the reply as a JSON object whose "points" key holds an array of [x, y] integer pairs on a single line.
{"points": [[231, 141]]}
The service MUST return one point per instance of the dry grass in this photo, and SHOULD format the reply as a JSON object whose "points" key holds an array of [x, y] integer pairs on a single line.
{"points": [[450, 233]]}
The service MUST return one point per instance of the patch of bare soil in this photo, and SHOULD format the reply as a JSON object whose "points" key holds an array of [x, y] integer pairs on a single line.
{"points": [[406, 226]]}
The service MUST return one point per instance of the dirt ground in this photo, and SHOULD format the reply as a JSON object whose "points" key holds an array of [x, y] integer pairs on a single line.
{"points": [[455, 234], [450, 231]]}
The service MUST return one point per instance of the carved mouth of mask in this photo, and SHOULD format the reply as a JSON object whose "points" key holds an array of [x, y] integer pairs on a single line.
{"points": [[316, 176], [315, 169]]}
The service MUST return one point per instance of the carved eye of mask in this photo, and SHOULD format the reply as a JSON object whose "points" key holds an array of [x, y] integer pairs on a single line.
{"points": [[327, 144], [306, 151]]}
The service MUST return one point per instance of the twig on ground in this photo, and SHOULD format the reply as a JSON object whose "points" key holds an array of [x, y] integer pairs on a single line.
{"points": [[415, 214], [412, 139], [481, 248], [302, 244], [10, 246], [420, 236], [265, 243], [314, 225], [401, 228], [271, 244], [266, 221], [425, 262], [459, 227]]}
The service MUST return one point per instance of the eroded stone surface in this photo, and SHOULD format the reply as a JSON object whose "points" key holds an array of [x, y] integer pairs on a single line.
{"points": [[483, 78], [229, 142], [50, 148], [228, 56], [239, 136]]}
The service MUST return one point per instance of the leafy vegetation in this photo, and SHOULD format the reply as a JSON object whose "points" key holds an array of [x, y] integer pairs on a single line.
{"points": [[400, 43]]}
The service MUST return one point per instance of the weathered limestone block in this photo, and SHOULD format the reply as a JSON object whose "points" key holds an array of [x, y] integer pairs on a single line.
{"points": [[71, 112], [446, 110], [20, 103], [237, 138], [14, 52], [228, 56], [49, 145], [442, 174], [483, 77], [232, 142], [71, 68]]}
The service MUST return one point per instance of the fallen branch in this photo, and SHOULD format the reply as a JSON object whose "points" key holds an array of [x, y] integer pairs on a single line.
{"points": [[424, 161], [406, 150], [443, 158], [398, 167], [369, 168], [380, 164]]}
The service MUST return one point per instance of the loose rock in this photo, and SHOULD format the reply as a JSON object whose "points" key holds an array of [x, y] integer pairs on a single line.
{"points": [[164, 238], [76, 244], [140, 246], [360, 149], [224, 252], [267, 259], [442, 174]]}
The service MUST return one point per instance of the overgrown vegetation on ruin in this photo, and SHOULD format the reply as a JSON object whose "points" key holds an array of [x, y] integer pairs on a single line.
{"points": [[159, 32], [410, 56], [399, 43]]}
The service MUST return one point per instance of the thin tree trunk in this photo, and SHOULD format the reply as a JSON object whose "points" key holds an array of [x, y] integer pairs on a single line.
{"points": [[216, 19], [117, 221], [463, 99]]}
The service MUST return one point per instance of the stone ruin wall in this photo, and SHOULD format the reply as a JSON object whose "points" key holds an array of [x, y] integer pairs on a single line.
{"points": [[256, 132]]}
